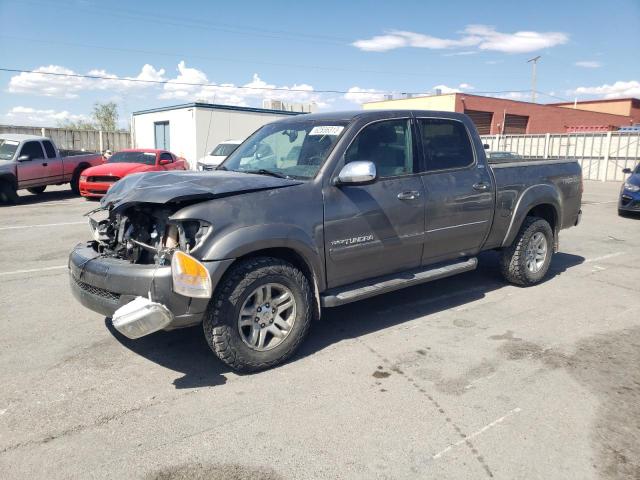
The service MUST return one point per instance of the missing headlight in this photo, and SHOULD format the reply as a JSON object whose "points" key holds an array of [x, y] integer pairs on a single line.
{"points": [[191, 234]]}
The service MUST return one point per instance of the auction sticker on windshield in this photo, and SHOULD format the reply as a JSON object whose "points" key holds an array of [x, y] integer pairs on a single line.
{"points": [[326, 130]]}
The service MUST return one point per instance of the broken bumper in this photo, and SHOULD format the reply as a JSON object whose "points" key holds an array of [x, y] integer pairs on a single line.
{"points": [[105, 284]]}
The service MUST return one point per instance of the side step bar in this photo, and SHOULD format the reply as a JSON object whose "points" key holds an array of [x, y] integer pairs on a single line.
{"points": [[388, 283]]}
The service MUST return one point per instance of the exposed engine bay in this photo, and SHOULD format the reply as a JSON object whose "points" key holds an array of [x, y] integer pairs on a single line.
{"points": [[144, 233]]}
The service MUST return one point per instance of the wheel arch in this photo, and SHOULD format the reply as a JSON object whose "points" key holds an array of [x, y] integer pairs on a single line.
{"points": [[542, 201], [10, 179], [287, 243]]}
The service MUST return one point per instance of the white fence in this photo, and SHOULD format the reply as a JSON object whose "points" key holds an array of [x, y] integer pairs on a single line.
{"points": [[601, 155], [72, 139]]}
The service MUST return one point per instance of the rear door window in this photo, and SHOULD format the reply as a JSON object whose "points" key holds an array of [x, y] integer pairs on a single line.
{"points": [[33, 150], [445, 144], [48, 146]]}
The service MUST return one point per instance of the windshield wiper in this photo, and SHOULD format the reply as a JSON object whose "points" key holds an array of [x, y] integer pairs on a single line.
{"points": [[264, 171]]}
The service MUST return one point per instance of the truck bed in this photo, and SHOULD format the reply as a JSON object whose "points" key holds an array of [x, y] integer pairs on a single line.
{"points": [[515, 180]]}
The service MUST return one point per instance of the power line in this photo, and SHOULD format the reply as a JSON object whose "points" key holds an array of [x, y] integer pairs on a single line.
{"points": [[242, 87], [204, 57]]}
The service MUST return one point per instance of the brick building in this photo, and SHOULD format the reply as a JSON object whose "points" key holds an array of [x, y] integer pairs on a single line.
{"points": [[498, 115], [618, 106]]}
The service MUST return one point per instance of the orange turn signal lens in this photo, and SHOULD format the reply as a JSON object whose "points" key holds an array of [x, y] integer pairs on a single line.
{"points": [[190, 277]]}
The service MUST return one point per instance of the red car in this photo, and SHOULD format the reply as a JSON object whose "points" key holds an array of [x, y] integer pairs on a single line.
{"points": [[95, 181]]}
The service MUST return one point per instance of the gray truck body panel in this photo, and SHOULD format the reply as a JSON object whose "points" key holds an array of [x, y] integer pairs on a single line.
{"points": [[347, 235]]}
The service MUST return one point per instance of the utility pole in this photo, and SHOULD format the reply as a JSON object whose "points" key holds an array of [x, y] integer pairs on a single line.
{"points": [[534, 64]]}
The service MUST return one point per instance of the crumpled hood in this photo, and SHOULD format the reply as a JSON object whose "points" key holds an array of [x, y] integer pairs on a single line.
{"points": [[166, 187]]}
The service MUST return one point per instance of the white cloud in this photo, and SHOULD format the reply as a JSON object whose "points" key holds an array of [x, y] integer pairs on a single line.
{"points": [[64, 85], [363, 95], [620, 89], [588, 64], [30, 116], [446, 89], [250, 93], [518, 42], [483, 37]]}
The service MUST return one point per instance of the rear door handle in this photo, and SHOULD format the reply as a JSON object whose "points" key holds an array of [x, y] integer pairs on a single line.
{"points": [[481, 187], [408, 195]]}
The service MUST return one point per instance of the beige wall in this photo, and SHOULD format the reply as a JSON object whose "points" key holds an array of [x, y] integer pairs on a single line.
{"points": [[446, 103], [622, 107]]}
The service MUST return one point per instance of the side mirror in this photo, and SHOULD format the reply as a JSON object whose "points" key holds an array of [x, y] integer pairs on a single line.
{"points": [[486, 146], [626, 170], [357, 173], [24, 158], [165, 162]]}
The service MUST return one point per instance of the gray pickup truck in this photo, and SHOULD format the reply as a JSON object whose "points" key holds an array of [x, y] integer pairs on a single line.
{"points": [[32, 162], [311, 212]]}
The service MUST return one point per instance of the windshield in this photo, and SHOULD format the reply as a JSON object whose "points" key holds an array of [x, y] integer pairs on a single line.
{"points": [[224, 149], [146, 158], [294, 149], [8, 148]]}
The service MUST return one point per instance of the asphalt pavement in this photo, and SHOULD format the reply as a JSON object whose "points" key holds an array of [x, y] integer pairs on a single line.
{"points": [[463, 378]]}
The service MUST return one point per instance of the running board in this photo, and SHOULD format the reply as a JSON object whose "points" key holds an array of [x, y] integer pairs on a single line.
{"points": [[370, 288]]}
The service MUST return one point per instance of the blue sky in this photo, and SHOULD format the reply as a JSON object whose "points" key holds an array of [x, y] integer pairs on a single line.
{"points": [[365, 48]]}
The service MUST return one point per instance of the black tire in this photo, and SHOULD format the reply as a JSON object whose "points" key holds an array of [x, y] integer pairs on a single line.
{"points": [[513, 264], [37, 190], [220, 325], [8, 193], [75, 181]]}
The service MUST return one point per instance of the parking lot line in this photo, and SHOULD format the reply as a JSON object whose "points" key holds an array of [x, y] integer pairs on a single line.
{"points": [[477, 432], [604, 257], [33, 270], [17, 227]]}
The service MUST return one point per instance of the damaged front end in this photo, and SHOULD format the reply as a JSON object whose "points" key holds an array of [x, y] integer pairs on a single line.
{"points": [[145, 234]]}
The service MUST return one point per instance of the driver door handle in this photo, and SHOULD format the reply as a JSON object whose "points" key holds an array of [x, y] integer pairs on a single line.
{"points": [[481, 187], [408, 195]]}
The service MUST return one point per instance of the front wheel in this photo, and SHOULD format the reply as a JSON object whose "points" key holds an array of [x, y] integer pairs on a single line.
{"points": [[527, 260], [8, 193], [259, 314]]}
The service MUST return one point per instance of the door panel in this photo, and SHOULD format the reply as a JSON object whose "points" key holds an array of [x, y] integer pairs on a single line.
{"points": [[459, 192], [458, 217], [32, 172], [55, 168], [369, 231], [376, 229]]}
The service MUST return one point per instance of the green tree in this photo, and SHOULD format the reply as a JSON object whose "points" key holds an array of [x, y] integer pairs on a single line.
{"points": [[105, 116]]}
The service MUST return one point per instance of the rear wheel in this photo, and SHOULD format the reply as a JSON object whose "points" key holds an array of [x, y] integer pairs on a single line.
{"points": [[37, 190], [259, 314], [8, 193], [527, 260]]}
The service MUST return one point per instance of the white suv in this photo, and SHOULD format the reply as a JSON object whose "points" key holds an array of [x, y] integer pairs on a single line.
{"points": [[217, 155]]}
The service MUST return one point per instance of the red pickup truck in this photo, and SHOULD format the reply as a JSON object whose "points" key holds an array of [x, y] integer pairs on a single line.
{"points": [[95, 181]]}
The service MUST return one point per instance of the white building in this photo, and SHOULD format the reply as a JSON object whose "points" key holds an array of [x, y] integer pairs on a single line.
{"points": [[193, 129]]}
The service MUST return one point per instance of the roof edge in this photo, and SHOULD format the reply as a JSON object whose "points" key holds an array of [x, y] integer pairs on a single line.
{"points": [[215, 106]]}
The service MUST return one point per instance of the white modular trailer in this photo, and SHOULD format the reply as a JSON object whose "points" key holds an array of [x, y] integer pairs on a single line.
{"points": [[192, 130]]}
